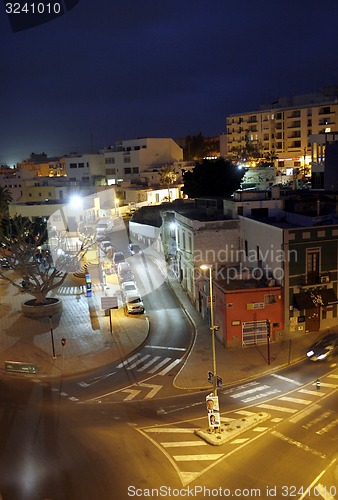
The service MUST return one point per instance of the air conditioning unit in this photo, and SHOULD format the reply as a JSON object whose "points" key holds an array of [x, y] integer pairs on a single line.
{"points": [[325, 279]]}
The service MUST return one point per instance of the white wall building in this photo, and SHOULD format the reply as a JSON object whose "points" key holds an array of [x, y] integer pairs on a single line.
{"points": [[128, 159]]}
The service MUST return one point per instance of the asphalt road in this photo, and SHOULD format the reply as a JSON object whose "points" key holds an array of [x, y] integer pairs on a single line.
{"points": [[120, 432]]}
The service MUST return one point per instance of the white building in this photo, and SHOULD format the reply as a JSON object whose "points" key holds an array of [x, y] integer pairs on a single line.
{"points": [[128, 159]]}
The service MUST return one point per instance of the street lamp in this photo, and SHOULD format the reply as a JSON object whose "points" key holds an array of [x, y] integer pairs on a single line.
{"points": [[212, 328], [52, 336]]}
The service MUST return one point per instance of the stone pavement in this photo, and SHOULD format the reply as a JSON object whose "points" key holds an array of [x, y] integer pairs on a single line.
{"points": [[89, 343]]}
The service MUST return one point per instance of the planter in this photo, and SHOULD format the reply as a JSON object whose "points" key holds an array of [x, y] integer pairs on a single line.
{"points": [[31, 309]]}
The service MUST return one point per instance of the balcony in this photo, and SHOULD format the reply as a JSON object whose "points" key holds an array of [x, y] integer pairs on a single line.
{"points": [[314, 278]]}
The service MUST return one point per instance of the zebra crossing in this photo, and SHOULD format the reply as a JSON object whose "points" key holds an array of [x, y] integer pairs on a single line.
{"points": [[77, 290], [148, 363], [188, 453]]}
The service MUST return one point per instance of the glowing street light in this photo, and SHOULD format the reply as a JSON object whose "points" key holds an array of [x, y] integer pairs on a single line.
{"points": [[205, 266]]}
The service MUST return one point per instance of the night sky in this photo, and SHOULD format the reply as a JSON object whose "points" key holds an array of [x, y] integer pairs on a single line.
{"points": [[111, 70]]}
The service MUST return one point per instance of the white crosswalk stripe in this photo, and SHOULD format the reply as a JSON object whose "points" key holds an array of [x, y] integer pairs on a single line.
{"points": [[252, 392], [150, 364]]}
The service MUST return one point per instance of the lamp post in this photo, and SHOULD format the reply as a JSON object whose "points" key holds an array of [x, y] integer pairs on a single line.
{"points": [[212, 328], [52, 336]]}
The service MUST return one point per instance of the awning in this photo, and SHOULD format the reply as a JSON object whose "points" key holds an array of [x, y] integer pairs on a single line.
{"points": [[314, 298]]}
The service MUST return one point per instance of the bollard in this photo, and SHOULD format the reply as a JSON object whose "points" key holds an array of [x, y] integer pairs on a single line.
{"points": [[317, 384]]}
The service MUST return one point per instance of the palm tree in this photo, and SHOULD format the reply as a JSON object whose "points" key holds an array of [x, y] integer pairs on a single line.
{"points": [[5, 199], [168, 177]]}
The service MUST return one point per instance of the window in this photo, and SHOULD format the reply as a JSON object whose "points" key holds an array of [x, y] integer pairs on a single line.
{"points": [[126, 159], [270, 299], [72, 165], [109, 161], [312, 266], [127, 170], [81, 165], [111, 171], [135, 170]]}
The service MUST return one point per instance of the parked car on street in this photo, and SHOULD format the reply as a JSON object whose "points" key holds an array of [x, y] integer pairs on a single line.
{"points": [[129, 287], [117, 258], [134, 304], [324, 347], [124, 272], [107, 247]]}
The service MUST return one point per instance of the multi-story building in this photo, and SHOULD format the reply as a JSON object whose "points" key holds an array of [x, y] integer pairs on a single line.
{"points": [[128, 159], [10, 178], [283, 128]]}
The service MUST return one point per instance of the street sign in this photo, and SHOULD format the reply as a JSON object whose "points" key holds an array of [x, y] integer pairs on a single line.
{"points": [[16, 366], [109, 303], [219, 382]]}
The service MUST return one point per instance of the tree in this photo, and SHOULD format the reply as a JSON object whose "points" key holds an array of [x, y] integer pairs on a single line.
{"points": [[5, 200], [168, 177], [195, 147], [39, 271], [212, 178], [252, 151]]}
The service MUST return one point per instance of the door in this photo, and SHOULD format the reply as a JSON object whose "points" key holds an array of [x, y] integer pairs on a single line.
{"points": [[312, 320]]}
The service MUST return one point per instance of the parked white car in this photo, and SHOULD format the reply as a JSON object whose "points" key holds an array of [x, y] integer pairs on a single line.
{"points": [[134, 304], [124, 272], [129, 287]]}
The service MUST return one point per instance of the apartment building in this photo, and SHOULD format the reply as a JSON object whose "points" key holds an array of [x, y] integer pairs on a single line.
{"points": [[126, 160], [283, 128]]}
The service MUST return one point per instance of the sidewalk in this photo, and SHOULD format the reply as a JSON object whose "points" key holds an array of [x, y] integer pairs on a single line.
{"points": [[89, 343]]}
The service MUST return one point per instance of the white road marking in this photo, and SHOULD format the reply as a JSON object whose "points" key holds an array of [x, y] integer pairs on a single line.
{"points": [[74, 399], [260, 396], [304, 413], [132, 394], [154, 389], [151, 362], [297, 443], [169, 367], [159, 365], [312, 393], [127, 361], [260, 429], [245, 412], [333, 375], [295, 400], [324, 384], [172, 430], [250, 391], [276, 420], [138, 362], [165, 347], [278, 408], [195, 458], [239, 441], [328, 427], [178, 444], [233, 389], [309, 488], [285, 379], [321, 417]]}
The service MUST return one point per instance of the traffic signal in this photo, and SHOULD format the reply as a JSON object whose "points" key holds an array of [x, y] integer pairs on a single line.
{"points": [[268, 328], [63, 341]]}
